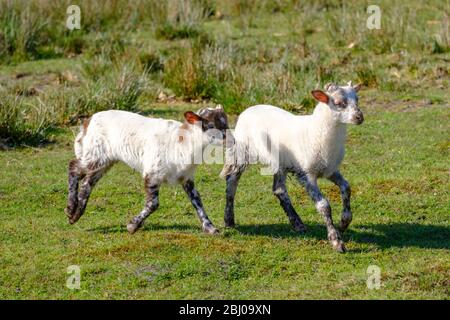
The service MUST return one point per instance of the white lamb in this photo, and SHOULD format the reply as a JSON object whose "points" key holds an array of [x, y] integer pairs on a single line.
{"points": [[162, 150], [309, 147]]}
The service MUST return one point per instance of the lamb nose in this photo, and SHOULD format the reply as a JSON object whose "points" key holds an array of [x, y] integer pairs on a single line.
{"points": [[360, 118]]}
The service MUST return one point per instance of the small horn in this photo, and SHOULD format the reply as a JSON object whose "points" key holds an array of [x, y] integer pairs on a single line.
{"points": [[350, 84], [330, 87]]}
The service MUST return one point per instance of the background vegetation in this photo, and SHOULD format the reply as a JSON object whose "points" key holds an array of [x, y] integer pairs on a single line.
{"points": [[161, 58], [235, 53]]}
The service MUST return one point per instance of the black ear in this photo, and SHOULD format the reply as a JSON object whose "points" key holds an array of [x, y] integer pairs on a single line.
{"points": [[192, 117], [321, 96]]}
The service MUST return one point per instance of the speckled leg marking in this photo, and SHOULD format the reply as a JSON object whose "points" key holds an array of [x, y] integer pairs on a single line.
{"points": [[324, 208], [280, 191], [232, 183], [74, 177], [344, 187], [194, 196], [151, 204], [87, 185]]}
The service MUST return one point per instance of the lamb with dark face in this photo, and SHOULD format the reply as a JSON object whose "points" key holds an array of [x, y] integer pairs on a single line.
{"points": [[162, 150], [214, 120]]}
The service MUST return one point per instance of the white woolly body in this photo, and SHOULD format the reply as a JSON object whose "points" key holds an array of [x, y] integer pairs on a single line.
{"points": [[313, 143], [151, 146]]}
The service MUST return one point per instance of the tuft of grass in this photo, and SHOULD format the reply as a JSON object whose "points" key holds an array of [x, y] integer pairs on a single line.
{"points": [[367, 76], [181, 19], [21, 33], [27, 115], [151, 61], [171, 32], [22, 122], [109, 86], [110, 44], [185, 74]]}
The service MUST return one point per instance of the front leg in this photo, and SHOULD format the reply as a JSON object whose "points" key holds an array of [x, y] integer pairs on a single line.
{"points": [[194, 196], [344, 187], [324, 208], [151, 204]]}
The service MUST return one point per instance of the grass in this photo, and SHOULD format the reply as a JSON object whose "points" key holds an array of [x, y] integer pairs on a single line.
{"points": [[13, 125], [162, 58], [397, 163]]}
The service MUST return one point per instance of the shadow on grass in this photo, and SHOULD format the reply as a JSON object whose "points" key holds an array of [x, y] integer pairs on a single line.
{"points": [[383, 235], [147, 227], [38, 140]]}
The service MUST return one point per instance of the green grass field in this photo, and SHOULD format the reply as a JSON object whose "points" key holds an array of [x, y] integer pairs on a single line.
{"points": [[397, 163], [236, 53]]}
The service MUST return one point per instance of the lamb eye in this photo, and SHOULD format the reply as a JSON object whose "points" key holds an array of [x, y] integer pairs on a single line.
{"points": [[210, 126]]}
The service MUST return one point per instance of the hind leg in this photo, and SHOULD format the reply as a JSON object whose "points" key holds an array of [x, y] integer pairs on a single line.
{"points": [[90, 180], [75, 176], [232, 184], [280, 191]]}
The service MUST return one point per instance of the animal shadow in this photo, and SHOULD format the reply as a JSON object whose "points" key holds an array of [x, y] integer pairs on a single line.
{"points": [[383, 235]]}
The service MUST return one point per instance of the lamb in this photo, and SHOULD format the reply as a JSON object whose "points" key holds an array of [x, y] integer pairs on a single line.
{"points": [[162, 150], [309, 147]]}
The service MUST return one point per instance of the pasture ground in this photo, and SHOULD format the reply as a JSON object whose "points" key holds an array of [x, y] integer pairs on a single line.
{"points": [[397, 164]]}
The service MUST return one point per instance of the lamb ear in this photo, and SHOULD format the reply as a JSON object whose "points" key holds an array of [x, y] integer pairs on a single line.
{"points": [[192, 117], [357, 87], [320, 96]]}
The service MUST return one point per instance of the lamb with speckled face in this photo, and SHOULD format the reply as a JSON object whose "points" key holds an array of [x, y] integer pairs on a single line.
{"points": [[309, 147], [161, 150]]}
